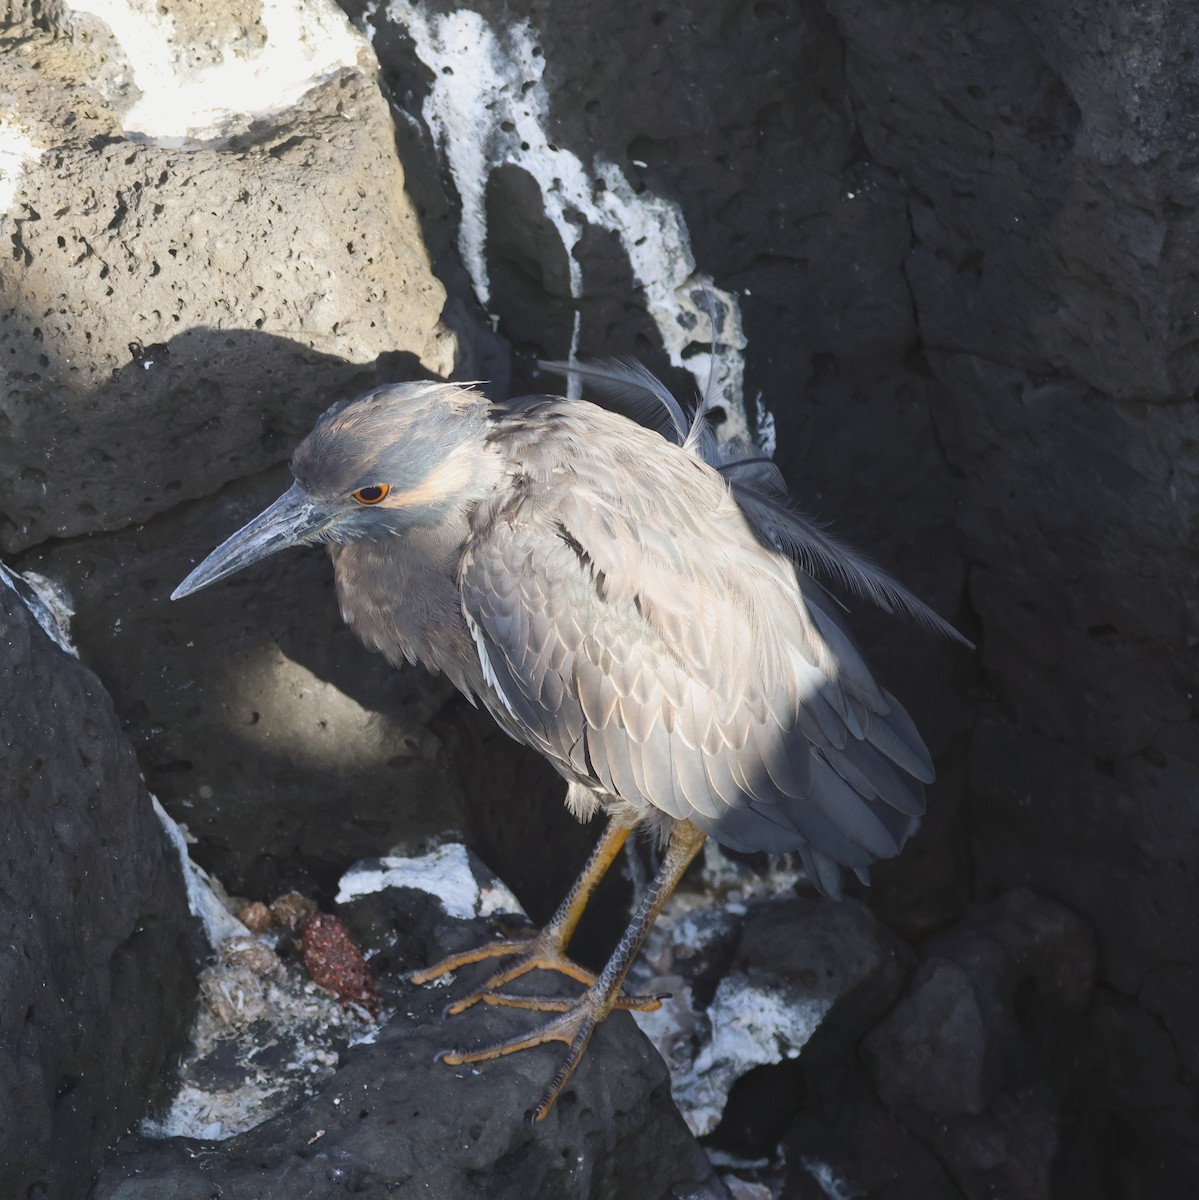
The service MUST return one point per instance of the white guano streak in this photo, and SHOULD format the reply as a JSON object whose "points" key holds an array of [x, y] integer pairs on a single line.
{"points": [[17, 152], [47, 601], [444, 872], [488, 106], [305, 43]]}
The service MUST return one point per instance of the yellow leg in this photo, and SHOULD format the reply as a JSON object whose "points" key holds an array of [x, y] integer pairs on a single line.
{"points": [[580, 1017], [546, 950]]}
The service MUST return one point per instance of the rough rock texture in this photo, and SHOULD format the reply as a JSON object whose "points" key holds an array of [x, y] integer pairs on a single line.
{"points": [[395, 1122], [807, 978], [953, 1059], [96, 949], [140, 273], [1050, 154], [178, 306]]}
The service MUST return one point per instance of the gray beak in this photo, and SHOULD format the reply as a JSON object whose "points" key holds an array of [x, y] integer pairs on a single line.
{"points": [[292, 520]]}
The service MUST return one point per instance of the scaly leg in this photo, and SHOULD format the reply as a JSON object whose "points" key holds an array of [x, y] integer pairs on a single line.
{"points": [[580, 1016], [545, 950]]}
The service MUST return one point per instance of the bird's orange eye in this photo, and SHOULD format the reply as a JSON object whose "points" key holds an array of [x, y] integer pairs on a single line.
{"points": [[372, 494]]}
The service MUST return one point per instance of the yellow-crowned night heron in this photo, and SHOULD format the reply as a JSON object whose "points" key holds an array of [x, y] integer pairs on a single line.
{"points": [[635, 603]]}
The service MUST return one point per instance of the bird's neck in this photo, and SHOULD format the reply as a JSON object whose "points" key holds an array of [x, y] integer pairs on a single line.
{"points": [[400, 593]]}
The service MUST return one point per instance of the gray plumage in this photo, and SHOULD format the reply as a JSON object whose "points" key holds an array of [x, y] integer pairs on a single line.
{"points": [[637, 604]]}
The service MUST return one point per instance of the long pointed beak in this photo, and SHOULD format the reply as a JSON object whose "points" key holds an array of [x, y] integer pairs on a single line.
{"points": [[292, 520]]}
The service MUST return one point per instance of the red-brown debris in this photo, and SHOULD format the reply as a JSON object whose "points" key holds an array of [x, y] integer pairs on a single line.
{"points": [[334, 961]]}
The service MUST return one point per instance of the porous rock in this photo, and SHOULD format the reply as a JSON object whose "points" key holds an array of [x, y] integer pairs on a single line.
{"points": [[147, 256], [97, 953], [211, 244]]}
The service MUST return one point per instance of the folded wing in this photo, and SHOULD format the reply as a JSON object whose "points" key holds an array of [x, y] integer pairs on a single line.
{"points": [[659, 652]]}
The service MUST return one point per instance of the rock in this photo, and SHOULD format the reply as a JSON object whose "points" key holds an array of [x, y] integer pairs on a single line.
{"points": [[1171, 994], [97, 970], [856, 1148], [191, 283], [802, 980], [1041, 148], [933, 1050], [1034, 244], [837, 952], [961, 1059], [1102, 836], [393, 1121]]}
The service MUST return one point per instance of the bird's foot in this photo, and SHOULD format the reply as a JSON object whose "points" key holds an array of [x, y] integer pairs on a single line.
{"points": [[541, 952], [574, 1027]]}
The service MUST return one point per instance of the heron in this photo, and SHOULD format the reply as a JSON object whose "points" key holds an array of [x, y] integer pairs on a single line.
{"points": [[636, 601]]}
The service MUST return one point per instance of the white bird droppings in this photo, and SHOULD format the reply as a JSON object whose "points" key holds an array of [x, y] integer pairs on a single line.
{"points": [[488, 106], [202, 898], [445, 873], [752, 1026], [17, 152], [297, 44], [48, 603]]}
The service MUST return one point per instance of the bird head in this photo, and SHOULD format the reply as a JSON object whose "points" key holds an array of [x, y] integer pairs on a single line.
{"points": [[396, 458]]}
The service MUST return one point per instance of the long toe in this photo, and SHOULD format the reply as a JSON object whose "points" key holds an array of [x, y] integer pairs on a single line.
{"points": [[500, 948], [559, 1004], [564, 1028], [543, 951], [533, 960]]}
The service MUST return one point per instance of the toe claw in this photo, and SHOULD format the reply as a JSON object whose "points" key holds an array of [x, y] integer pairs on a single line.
{"points": [[463, 1003]]}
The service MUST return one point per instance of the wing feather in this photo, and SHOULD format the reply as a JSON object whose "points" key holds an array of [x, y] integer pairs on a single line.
{"points": [[656, 651]]}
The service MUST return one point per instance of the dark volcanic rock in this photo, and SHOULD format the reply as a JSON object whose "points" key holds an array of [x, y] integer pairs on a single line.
{"points": [[96, 949], [961, 1059], [1049, 186], [1049, 152], [393, 1121], [836, 953], [858, 1147], [1048, 165], [808, 979]]}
